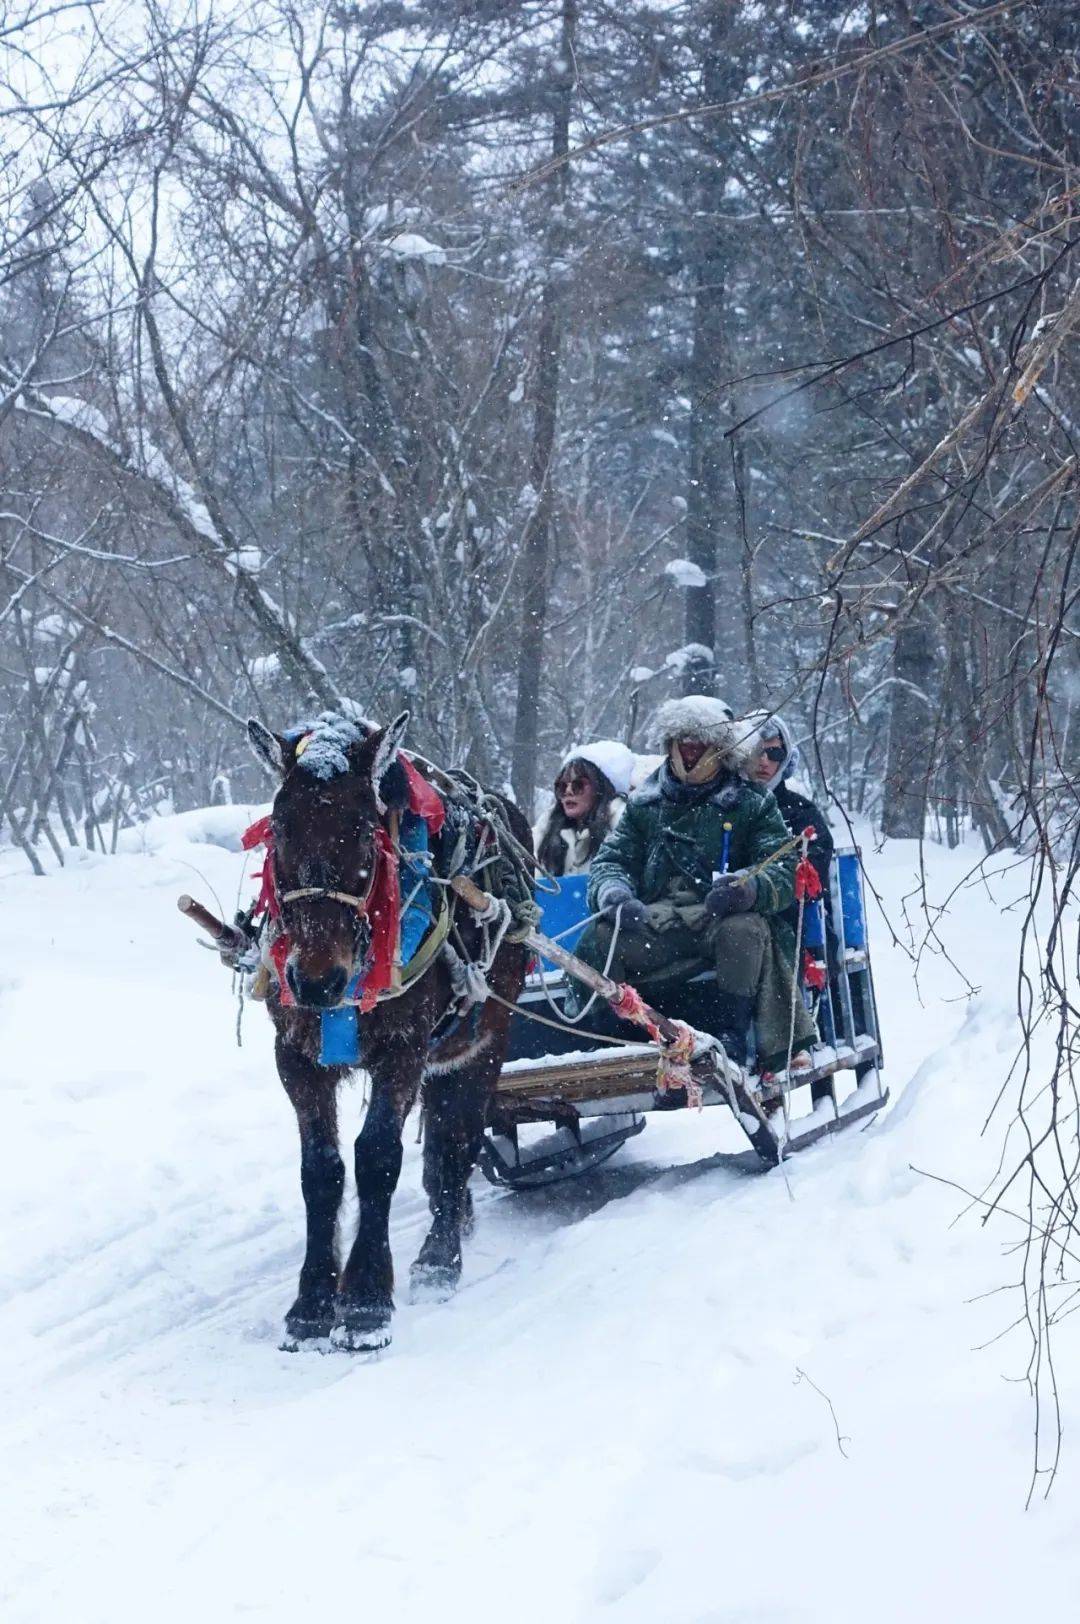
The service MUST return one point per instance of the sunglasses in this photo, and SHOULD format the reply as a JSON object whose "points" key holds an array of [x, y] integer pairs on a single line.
{"points": [[572, 786], [774, 752]]}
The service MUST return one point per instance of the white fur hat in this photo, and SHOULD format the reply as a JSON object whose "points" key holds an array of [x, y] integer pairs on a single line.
{"points": [[616, 761]]}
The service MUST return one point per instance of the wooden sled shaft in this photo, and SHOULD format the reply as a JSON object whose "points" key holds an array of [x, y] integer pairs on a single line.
{"points": [[224, 935]]}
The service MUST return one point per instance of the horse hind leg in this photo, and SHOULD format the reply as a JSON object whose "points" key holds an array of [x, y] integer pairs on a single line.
{"points": [[455, 1110]]}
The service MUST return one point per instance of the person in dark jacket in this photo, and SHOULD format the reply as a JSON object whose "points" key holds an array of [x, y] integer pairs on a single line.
{"points": [[775, 761], [694, 877]]}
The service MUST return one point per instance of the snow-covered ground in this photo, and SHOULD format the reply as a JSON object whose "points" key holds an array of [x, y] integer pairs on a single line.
{"points": [[624, 1415]]}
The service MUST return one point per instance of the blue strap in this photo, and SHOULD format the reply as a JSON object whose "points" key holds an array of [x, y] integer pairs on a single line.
{"points": [[725, 849], [417, 893]]}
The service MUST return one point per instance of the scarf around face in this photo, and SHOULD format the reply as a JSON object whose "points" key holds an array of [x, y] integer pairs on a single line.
{"points": [[705, 769], [685, 793]]}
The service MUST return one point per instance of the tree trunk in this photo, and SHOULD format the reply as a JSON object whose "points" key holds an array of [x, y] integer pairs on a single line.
{"points": [[713, 613], [536, 543], [909, 764], [743, 492]]}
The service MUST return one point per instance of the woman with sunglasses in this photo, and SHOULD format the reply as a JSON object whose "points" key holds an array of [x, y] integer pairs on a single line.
{"points": [[590, 795], [775, 761]]}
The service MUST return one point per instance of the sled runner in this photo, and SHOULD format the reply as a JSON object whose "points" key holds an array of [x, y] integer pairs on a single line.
{"points": [[595, 1095]]}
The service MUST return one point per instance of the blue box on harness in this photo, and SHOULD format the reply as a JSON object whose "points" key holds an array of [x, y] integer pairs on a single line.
{"points": [[563, 909], [340, 1037], [851, 898]]}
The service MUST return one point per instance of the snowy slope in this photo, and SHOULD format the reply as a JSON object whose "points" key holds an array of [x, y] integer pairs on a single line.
{"points": [[608, 1423]]}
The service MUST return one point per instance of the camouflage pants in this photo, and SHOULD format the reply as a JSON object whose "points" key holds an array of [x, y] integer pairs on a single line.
{"points": [[741, 950]]}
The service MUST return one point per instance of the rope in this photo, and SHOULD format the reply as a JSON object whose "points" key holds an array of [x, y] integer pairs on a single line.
{"points": [[561, 1026], [781, 851], [785, 1086], [578, 925], [581, 1014]]}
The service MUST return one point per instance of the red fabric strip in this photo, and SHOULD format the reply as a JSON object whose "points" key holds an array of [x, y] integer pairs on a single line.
{"points": [[423, 800], [384, 915], [807, 880], [261, 834], [279, 952]]}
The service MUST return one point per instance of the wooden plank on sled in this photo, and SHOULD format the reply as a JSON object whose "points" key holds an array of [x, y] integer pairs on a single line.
{"points": [[632, 1070], [587, 1075]]}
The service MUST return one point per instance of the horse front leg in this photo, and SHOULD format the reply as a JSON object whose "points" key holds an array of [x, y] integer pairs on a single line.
{"points": [[455, 1111], [366, 1298], [313, 1092]]}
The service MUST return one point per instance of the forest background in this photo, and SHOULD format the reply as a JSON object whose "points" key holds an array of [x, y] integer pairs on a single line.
{"points": [[523, 363]]}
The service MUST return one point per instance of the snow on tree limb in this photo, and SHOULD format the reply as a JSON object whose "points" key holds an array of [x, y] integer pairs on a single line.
{"points": [[192, 517]]}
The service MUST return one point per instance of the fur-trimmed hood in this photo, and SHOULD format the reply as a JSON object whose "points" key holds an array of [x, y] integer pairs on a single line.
{"points": [[759, 725], [698, 716]]}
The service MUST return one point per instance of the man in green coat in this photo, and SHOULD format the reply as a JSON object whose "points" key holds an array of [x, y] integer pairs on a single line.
{"points": [[681, 887]]}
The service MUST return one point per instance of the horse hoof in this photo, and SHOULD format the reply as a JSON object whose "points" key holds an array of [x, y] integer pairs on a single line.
{"points": [[306, 1326], [432, 1283], [306, 1342], [361, 1330]]}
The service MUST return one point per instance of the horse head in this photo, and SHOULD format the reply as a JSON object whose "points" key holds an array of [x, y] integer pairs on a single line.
{"points": [[339, 776]]}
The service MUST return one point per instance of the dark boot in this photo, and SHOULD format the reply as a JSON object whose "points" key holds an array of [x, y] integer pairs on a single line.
{"points": [[732, 1025]]}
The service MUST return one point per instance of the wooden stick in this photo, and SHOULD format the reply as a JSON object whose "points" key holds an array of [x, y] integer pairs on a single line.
{"points": [[224, 935]]}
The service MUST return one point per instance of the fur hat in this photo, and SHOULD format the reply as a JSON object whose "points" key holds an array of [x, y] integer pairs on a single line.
{"points": [[697, 716], [613, 759]]}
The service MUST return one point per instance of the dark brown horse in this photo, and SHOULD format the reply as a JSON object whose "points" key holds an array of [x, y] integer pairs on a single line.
{"points": [[335, 796]]}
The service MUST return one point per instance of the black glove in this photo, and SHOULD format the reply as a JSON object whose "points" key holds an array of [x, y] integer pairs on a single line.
{"points": [[616, 896], [731, 894]]}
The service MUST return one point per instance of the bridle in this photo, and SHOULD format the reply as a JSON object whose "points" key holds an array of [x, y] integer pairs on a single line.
{"points": [[359, 903], [327, 893]]}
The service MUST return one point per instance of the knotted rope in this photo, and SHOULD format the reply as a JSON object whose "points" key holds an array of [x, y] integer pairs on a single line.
{"points": [[807, 885]]}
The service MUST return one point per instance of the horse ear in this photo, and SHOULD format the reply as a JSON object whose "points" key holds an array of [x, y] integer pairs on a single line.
{"points": [[389, 742], [269, 747]]}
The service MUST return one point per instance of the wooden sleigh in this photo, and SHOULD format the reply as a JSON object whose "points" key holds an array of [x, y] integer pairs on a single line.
{"points": [[591, 1097]]}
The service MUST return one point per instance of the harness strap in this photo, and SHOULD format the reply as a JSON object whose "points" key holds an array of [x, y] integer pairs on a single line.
{"points": [[359, 903], [421, 959]]}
